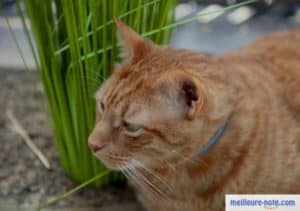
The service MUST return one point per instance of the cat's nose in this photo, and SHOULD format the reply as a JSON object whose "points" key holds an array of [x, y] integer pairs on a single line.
{"points": [[95, 145]]}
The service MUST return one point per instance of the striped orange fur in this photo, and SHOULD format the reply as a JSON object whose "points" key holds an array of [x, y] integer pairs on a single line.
{"points": [[163, 104]]}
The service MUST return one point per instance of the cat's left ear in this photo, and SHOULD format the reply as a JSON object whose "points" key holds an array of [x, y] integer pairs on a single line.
{"points": [[189, 95], [135, 46], [183, 94]]}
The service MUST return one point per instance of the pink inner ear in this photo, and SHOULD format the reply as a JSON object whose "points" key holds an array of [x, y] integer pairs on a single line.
{"points": [[135, 46]]}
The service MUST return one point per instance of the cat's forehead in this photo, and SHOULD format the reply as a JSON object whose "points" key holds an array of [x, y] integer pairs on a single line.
{"points": [[140, 113], [153, 108], [120, 78], [106, 87]]}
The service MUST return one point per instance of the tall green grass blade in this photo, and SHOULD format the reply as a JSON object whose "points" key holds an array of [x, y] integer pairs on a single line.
{"points": [[111, 21], [73, 190], [26, 30], [13, 34], [193, 18], [158, 29]]}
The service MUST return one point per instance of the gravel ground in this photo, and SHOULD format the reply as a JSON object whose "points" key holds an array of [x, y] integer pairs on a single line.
{"points": [[24, 182]]}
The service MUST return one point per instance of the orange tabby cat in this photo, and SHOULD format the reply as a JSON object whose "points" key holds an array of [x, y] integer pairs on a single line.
{"points": [[187, 129]]}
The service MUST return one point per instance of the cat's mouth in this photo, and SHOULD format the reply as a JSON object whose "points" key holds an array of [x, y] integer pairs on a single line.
{"points": [[112, 161]]}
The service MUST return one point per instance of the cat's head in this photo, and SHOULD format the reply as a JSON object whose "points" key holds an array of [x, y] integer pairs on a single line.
{"points": [[152, 108]]}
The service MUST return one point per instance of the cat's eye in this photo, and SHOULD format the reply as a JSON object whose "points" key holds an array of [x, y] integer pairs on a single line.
{"points": [[101, 106], [131, 128]]}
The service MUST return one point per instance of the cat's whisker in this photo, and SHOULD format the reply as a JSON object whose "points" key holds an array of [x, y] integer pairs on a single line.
{"points": [[164, 162], [132, 175], [140, 179], [150, 184], [140, 164], [192, 160], [125, 173], [172, 167], [183, 157]]}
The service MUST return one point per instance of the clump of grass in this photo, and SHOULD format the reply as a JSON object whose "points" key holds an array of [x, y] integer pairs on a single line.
{"points": [[76, 47]]}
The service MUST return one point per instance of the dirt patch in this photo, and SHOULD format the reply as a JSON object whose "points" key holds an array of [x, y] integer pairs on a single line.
{"points": [[24, 182]]}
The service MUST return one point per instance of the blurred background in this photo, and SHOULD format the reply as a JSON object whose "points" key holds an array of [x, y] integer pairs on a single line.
{"points": [[24, 183], [210, 34]]}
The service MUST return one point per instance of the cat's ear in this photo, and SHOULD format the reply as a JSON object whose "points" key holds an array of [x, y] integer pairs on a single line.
{"points": [[183, 94], [189, 95], [135, 46]]}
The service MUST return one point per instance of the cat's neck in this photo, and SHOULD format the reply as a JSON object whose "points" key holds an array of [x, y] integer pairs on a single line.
{"points": [[214, 139]]}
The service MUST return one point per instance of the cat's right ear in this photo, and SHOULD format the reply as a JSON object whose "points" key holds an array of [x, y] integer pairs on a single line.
{"points": [[135, 46]]}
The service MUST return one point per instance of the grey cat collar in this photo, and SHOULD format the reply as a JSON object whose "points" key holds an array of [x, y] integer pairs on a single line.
{"points": [[214, 139]]}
